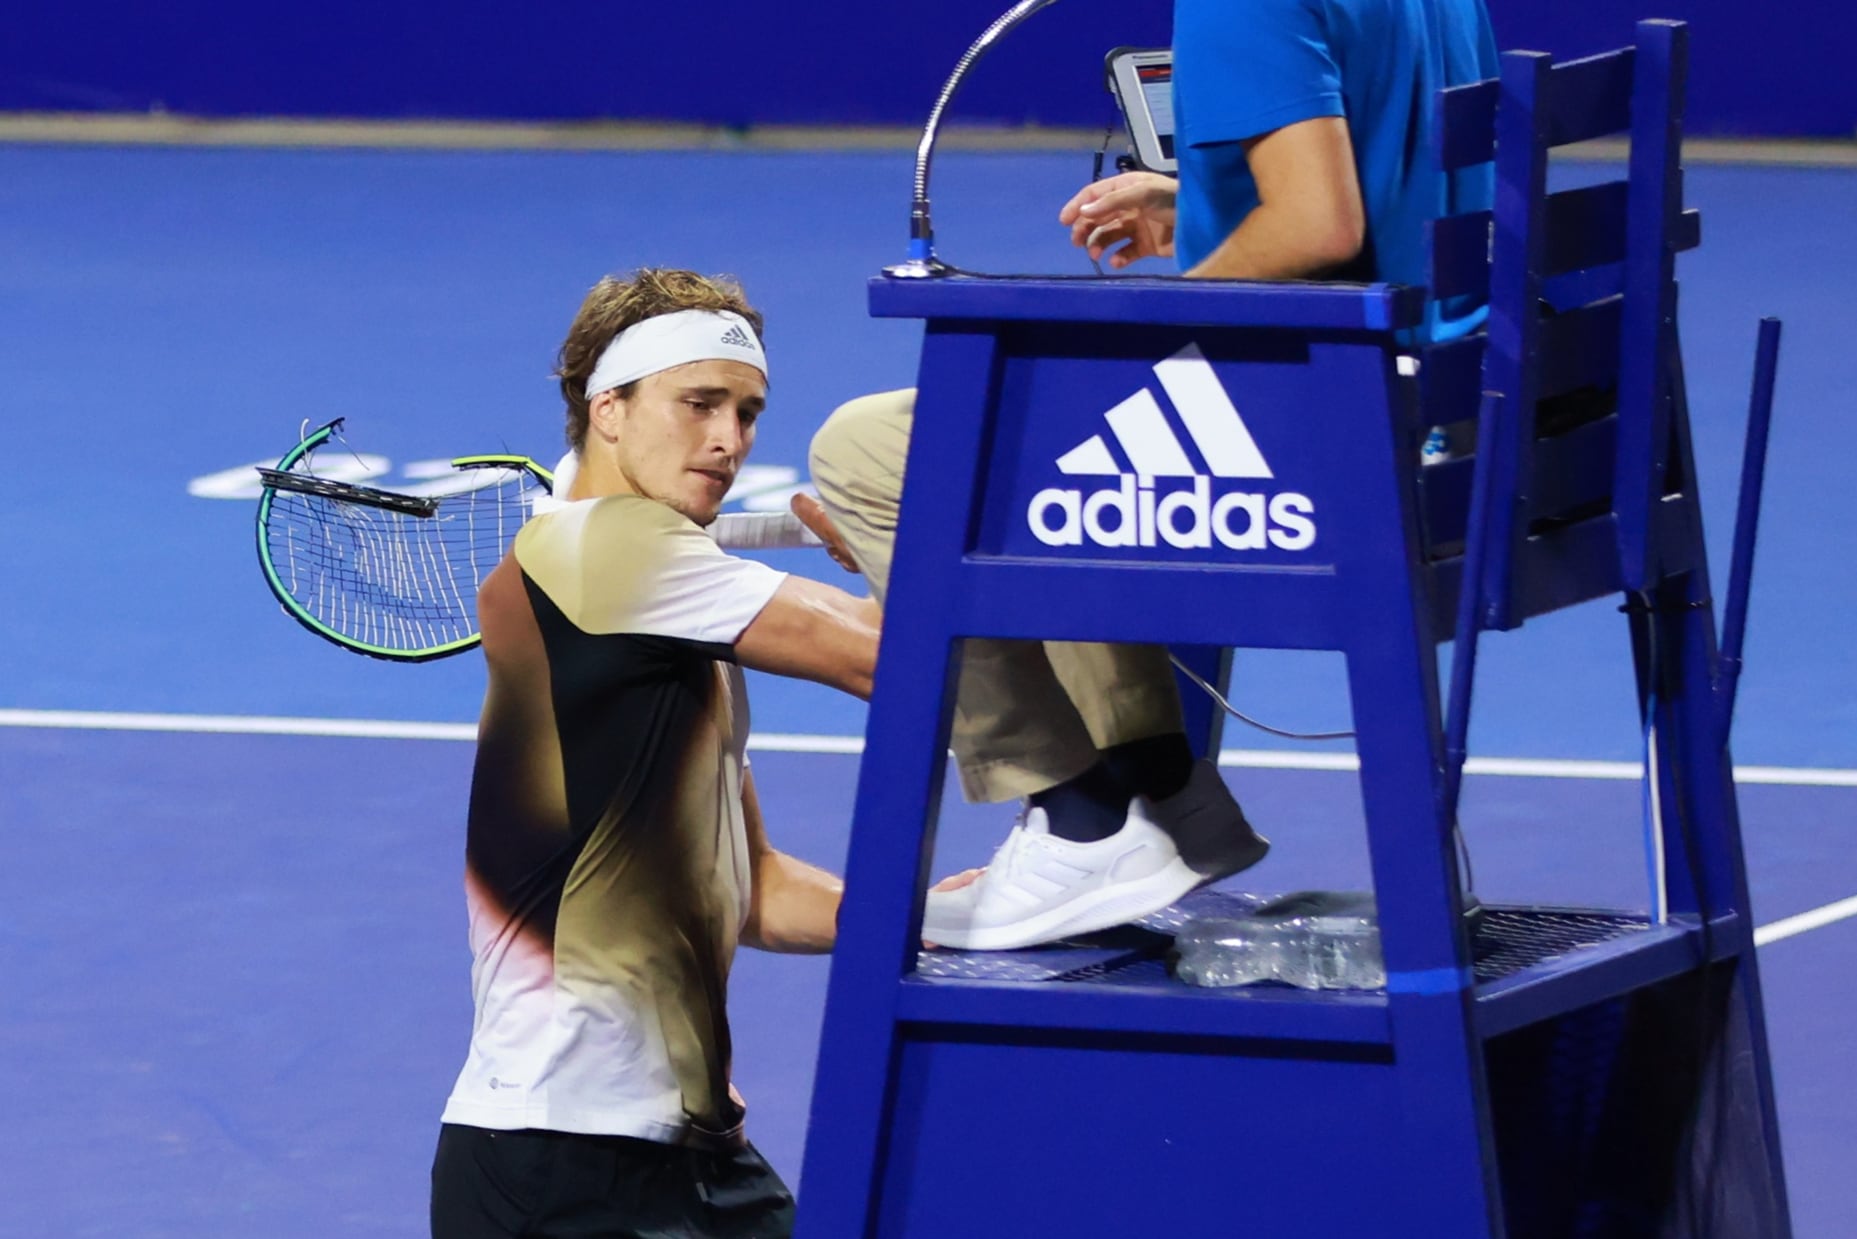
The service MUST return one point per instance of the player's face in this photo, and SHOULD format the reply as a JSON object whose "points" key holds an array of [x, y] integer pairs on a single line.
{"points": [[685, 432]]}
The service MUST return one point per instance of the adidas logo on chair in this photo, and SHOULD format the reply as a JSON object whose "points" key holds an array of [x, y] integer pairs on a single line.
{"points": [[1136, 512]]}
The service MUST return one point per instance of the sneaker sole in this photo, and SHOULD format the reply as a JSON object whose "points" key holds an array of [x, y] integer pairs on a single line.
{"points": [[1104, 908]]}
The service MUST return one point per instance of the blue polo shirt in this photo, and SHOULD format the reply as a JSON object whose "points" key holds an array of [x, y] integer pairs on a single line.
{"points": [[1243, 68]]}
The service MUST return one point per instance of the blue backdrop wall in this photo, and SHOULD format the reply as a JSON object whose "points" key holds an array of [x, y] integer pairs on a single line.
{"points": [[1776, 68]]}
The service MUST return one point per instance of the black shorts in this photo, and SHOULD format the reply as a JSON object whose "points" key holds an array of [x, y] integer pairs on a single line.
{"points": [[555, 1185]]}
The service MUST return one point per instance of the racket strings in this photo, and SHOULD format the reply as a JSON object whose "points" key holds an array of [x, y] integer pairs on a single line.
{"points": [[391, 579]]}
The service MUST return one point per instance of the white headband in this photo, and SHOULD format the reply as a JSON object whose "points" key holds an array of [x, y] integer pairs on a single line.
{"points": [[674, 340]]}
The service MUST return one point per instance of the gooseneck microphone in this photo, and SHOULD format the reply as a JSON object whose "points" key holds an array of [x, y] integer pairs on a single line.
{"points": [[922, 263]]}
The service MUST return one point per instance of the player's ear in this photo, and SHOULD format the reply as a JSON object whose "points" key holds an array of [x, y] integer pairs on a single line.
{"points": [[603, 413]]}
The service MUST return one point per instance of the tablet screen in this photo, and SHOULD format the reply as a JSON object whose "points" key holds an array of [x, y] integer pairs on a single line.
{"points": [[1142, 80], [1157, 88]]}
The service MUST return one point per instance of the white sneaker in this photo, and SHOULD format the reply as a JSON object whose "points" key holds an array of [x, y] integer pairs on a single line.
{"points": [[1039, 888], [1206, 825]]}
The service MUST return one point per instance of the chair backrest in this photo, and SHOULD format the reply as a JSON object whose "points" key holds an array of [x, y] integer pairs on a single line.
{"points": [[1582, 296]]}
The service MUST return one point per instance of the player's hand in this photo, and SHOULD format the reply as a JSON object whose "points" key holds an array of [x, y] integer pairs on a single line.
{"points": [[953, 882], [1133, 210], [812, 514]]}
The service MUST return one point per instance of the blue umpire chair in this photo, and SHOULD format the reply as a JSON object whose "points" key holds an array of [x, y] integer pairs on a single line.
{"points": [[1535, 1072]]}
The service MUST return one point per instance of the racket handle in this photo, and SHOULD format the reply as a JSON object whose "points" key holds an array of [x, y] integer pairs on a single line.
{"points": [[762, 531]]}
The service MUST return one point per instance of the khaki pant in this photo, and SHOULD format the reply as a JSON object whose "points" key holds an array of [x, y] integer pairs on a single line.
{"points": [[1028, 714]]}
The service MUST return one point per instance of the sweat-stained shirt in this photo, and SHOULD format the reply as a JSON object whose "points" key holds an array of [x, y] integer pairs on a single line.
{"points": [[607, 870]]}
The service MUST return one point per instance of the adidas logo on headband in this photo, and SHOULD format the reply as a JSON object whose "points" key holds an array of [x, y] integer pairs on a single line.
{"points": [[674, 339]]}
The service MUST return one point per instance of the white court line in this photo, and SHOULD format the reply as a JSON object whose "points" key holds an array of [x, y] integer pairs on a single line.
{"points": [[238, 724], [1817, 918], [775, 742], [1538, 768]]}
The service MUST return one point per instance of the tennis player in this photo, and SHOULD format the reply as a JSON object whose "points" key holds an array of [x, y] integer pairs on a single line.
{"points": [[616, 855]]}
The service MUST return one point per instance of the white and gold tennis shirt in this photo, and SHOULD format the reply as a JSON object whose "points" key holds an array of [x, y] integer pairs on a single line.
{"points": [[607, 871]]}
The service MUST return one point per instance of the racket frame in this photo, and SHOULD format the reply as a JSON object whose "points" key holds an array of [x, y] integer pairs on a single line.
{"points": [[283, 477]]}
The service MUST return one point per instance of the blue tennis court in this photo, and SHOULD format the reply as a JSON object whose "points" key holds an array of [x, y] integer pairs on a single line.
{"points": [[232, 854]]}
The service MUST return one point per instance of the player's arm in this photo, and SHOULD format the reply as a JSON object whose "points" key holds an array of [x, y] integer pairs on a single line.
{"points": [[794, 905], [1309, 219], [814, 631]]}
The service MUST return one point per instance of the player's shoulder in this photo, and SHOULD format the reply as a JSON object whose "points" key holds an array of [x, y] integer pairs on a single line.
{"points": [[615, 521], [628, 565]]}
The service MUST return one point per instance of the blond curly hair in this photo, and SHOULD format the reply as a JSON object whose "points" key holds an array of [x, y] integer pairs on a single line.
{"points": [[615, 304]]}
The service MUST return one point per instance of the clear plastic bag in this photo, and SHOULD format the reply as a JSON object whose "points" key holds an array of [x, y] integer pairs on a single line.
{"points": [[1312, 940]]}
